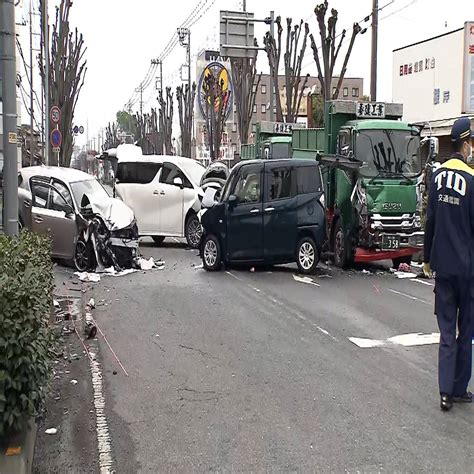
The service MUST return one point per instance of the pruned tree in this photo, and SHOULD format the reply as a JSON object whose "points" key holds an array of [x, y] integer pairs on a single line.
{"points": [[329, 50], [273, 49], [66, 76], [293, 59], [246, 83], [148, 135], [216, 97], [127, 126], [166, 119], [295, 47], [186, 96], [112, 139]]}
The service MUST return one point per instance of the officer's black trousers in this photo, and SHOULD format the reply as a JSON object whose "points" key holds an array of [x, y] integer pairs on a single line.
{"points": [[453, 308]]}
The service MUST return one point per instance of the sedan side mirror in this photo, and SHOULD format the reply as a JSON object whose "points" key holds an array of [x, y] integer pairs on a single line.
{"points": [[68, 210], [178, 182]]}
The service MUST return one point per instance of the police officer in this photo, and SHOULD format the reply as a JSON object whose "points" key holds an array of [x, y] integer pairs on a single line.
{"points": [[449, 251]]}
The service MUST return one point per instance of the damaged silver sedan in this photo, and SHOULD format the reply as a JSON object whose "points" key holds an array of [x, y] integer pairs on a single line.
{"points": [[87, 226]]}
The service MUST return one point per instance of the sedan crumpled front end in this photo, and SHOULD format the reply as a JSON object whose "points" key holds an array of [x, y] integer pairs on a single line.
{"points": [[113, 231]]}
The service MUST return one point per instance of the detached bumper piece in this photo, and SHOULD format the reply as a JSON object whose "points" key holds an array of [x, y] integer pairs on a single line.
{"points": [[372, 255]]}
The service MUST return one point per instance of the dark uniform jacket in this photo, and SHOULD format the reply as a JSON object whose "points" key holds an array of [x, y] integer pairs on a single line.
{"points": [[449, 233]]}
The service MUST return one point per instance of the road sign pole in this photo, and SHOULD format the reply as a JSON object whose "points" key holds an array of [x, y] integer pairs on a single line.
{"points": [[272, 85], [8, 67]]}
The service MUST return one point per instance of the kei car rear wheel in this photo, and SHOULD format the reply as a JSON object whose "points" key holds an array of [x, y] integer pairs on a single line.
{"points": [[193, 231], [307, 256], [83, 256], [211, 254]]}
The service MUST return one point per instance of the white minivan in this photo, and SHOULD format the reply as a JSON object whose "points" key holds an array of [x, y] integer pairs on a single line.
{"points": [[164, 193]]}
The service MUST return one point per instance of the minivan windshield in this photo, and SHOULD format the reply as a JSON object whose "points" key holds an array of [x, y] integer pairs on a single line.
{"points": [[388, 153], [194, 170]]}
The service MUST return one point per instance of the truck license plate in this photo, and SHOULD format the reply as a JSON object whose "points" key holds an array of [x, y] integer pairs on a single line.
{"points": [[390, 242]]}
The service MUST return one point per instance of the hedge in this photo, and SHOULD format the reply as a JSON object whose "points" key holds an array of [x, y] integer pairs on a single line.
{"points": [[26, 337]]}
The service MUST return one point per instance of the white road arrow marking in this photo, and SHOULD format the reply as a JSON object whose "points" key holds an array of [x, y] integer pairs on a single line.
{"points": [[405, 340], [307, 280]]}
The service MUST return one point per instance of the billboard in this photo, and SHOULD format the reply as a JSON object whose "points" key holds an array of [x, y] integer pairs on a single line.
{"points": [[468, 53]]}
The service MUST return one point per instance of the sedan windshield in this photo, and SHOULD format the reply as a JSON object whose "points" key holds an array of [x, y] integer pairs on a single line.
{"points": [[388, 153], [92, 188]]}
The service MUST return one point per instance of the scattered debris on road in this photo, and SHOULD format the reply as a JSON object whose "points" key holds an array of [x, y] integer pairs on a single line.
{"points": [[73, 382], [51, 431], [307, 280]]}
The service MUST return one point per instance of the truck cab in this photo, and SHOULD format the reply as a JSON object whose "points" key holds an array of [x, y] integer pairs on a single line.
{"points": [[372, 175], [272, 141]]}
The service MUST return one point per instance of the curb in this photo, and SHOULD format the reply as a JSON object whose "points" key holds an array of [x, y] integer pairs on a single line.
{"points": [[16, 456]]}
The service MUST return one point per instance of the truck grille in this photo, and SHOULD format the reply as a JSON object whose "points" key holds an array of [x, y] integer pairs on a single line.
{"points": [[394, 223]]}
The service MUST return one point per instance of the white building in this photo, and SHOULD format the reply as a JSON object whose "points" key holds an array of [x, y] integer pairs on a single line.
{"points": [[434, 79]]}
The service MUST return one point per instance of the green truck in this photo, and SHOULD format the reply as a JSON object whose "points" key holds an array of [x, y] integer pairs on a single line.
{"points": [[272, 141], [371, 164]]}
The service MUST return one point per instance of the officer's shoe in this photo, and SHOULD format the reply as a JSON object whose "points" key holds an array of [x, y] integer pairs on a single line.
{"points": [[466, 398], [446, 402]]}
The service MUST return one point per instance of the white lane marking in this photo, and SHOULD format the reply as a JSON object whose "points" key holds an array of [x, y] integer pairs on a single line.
{"points": [[405, 340], [240, 279], [413, 298], [307, 280], [285, 307], [415, 339], [102, 429], [365, 343], [422, 282]]}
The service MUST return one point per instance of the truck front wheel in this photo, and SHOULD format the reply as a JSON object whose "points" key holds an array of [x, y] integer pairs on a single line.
{"points": [[340, 246]]}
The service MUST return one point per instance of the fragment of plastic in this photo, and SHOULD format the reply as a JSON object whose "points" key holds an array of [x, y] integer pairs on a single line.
{"points": [[88, 277]]}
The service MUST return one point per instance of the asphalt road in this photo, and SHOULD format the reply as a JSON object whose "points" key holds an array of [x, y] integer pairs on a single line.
{"points": [[254, 371]]}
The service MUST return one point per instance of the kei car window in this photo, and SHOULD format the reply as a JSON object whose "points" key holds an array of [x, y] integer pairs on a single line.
{"points": [[247, 188], [281, 183], [308, 180], [170, 172], [136, 172]]}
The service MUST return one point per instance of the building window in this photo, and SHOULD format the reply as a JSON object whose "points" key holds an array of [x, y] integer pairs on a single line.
{"points": [[254, 127], [264, 89], [235, 108], [254, 108], [274, 91], [345, 92], [333, 91], [274, 110], [234, 127], [254, 88], [355, 92], [264, 108]]}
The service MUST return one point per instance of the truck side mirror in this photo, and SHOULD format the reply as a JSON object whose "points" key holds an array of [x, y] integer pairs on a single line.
{"points": [[434, 147]]}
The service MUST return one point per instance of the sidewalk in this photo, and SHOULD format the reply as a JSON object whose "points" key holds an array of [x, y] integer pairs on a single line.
{"points": [[70, 407]]}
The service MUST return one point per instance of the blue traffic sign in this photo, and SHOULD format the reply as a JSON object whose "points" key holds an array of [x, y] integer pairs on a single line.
{"points": [[75, 129], [56, 138]]}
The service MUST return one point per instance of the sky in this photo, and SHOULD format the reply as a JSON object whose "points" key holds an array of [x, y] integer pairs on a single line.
{"points": [[123, 36]]}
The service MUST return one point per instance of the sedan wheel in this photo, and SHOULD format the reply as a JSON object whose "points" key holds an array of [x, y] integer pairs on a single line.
{"points": [[307, 257], [82, 256], [193, 231]]}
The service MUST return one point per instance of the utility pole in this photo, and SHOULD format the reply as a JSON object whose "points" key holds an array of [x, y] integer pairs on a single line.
{"points": [[8, 66], [272, 87], [158, 62], [244, 5], [373, 63], [47, 106], [140, 90], [189, 58], [184, 35], [31, 87]]}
